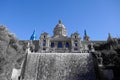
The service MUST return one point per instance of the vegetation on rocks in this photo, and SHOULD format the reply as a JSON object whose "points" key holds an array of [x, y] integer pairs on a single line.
{"points": [[11, 53]]}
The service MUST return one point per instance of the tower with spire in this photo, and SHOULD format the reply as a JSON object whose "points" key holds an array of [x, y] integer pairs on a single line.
{"points": [[86, 37]]}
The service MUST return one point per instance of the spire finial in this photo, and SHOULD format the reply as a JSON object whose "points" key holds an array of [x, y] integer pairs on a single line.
{"points": [[109, 36], [60, 21]]}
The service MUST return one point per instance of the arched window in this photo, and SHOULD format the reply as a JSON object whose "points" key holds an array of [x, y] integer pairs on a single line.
{"points": [[44, 41], [44, 44], [67, 45], [76, 44], [44, 36], [59, 44], [75, 36], [52, 44]]}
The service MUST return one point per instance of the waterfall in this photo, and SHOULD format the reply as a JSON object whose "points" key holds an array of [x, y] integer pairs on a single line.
{"points": [[59, 66]]}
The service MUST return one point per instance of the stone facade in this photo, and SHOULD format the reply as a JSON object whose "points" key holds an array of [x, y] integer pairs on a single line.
{"points": [[60, 42]]}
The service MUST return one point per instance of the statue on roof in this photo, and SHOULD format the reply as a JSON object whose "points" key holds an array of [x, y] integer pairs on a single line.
{"points": [[60, 21]]}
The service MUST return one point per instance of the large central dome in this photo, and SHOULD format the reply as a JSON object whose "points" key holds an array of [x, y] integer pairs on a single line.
{"points": [[60, 30]]}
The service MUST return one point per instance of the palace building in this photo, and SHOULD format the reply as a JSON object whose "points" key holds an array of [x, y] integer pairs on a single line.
{"points": [[60, 42]]}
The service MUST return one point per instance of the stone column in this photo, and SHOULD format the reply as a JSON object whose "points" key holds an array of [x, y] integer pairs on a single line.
{"points": [[55, 43], [63, 43]]}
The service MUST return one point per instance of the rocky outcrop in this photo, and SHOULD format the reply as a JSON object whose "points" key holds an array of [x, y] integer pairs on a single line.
{"points": [[11, 53]]}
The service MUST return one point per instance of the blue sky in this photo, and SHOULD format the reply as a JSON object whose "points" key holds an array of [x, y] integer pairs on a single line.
{"points": [[98, 17]]}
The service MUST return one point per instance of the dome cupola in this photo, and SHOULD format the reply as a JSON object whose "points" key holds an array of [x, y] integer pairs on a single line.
{"points": [[60, 30]]}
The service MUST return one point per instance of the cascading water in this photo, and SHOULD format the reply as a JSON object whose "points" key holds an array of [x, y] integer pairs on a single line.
{"points": [[59, 66]]}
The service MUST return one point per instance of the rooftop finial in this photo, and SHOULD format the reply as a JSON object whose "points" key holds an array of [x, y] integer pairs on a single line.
{"points": [[110, 39], [109, 36], [60, 21]]}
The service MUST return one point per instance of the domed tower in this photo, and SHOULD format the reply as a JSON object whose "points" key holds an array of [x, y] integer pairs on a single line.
{"points": [[60, 30]]}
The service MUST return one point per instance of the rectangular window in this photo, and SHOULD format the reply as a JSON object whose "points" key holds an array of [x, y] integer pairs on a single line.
{"points": [[59, 44], [44, 48], [44, 44], [44, 41], [75, 41], [52, 45], [75, 49], [67, 45]]}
